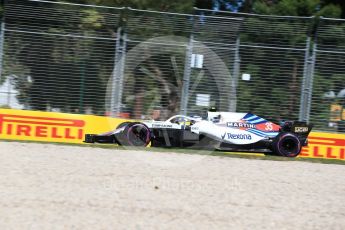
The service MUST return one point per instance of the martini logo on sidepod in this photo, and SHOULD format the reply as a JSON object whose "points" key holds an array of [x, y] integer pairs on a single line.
{"points": [[240, 125]]}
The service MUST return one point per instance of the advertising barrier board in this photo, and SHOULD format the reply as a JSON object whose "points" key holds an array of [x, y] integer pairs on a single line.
{"points": [[325, 145], [52, 127], [71, 128]]}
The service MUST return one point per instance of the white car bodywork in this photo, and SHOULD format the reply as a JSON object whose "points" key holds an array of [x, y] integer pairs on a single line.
{"points": [[219, 130], [226, 127]]}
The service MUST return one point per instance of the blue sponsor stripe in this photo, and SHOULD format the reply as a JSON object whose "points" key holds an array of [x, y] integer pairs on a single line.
{"points": [[271, 134], [261, 122], [254, 131], [248, 115], [263, 134], [266, 133], [258, 120], [252, 118]]}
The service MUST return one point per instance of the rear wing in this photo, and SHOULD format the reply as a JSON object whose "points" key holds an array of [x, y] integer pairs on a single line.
{"points": [[298, 127]]}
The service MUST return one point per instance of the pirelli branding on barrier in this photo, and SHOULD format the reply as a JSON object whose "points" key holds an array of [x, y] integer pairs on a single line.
{"points": [[325, 145], [51, 127], [41, 127], [70, 128]]}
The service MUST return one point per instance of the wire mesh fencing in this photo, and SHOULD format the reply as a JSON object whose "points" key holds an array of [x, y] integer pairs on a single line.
{"points": [[150, 65], [328, 95], [273, 53], [67, 51], [178, 64]]}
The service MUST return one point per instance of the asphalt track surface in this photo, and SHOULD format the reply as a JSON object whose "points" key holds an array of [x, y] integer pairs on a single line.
{"points": [[45, 186]]}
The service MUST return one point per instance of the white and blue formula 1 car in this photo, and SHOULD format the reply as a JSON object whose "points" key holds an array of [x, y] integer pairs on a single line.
{"points": [[219, 130]]}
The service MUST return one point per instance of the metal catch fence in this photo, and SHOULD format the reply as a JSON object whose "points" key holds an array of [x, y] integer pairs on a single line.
{"points": [[273, 53], [143, 64], [328, 80]]}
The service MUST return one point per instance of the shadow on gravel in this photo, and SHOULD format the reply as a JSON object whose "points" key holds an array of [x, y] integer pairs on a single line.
{"points": [[243, 155]]}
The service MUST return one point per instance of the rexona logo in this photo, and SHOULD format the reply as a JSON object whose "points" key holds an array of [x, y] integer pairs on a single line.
{"points": [[236, 136], [41, 127], [240, 125]]}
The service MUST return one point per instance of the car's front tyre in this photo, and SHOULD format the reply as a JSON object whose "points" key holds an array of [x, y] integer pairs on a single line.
{"points": [[136, 134]]}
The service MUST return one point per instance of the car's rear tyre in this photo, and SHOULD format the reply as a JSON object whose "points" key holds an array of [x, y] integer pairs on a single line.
{"points": [[137, 134], [287, 145]]}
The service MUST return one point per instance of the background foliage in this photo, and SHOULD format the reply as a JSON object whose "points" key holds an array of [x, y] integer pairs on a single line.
{"points": [[73, 56]]}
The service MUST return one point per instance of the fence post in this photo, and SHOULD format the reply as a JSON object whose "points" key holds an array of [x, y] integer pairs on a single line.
{"points": [[305, 83], [2, 39], [83, 64], [310, 82], [117, 76], [186, 74], [121, 71], [235, 77]]}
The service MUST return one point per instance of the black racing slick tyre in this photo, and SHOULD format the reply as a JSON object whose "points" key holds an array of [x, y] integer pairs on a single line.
{"points": [[287, 145], [137, 134], [120, 137], [123, 124]]}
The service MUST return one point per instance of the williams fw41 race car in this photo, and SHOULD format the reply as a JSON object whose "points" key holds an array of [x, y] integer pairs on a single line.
{"points": [[225, 131]]}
